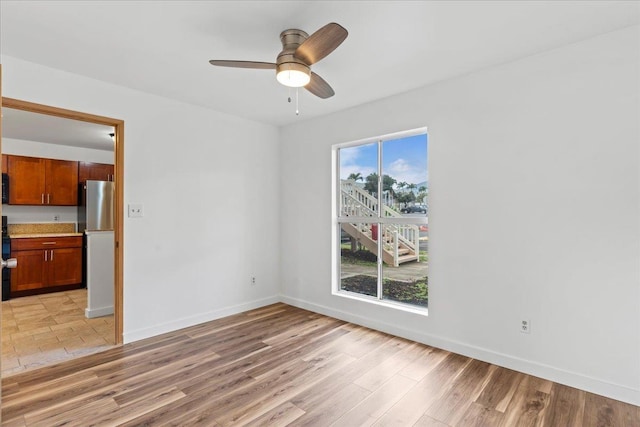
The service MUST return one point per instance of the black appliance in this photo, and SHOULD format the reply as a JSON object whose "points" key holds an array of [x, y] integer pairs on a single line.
{"points": [[5, 191], [6, 254]]}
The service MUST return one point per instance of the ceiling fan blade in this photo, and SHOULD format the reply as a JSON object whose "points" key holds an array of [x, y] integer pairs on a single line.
{"points": [[319, 87], [321, 43], [244, 64]]}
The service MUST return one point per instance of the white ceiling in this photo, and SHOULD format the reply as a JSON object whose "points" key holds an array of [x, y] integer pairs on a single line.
{"points": [[393, 46], [25, 125]]}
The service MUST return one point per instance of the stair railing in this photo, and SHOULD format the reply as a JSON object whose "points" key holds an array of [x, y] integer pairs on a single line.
{"points": [[357, 202]]}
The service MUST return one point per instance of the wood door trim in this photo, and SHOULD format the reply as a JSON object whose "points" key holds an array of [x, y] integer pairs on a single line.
{"points": [[119, 179], [33, 107]]}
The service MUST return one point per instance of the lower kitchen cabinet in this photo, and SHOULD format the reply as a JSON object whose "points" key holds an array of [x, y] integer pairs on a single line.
{"points": [[65, 267], [30, 272], [46, 264]]}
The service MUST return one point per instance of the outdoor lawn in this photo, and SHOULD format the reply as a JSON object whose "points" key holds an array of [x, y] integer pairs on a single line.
{"points": [[407, 283]]}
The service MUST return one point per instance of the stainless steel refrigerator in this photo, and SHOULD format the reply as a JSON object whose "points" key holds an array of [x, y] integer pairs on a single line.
{"points": [[95, 212], [95, 220]]}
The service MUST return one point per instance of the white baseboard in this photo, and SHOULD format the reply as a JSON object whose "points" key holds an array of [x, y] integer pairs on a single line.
{"points": [[572, 379], [185, 322], [98, 312]]}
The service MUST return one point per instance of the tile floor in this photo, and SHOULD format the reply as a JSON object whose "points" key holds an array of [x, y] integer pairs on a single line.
{"points": [[41, 330]]}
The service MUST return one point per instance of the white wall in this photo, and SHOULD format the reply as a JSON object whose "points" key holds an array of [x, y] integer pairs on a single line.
{"points": [[209, 185], [28, 214], [534, 213]]}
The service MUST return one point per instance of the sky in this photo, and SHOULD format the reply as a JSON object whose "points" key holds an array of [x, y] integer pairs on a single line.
{"points": [[404, 159]]}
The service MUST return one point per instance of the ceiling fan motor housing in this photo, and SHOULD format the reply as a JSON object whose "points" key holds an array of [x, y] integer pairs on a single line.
{"points": [[291, 39], [287, 61]]}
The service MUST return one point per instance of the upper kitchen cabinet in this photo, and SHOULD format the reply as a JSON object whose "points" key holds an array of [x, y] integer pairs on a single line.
{"points": [[95, 171], [26, 180], [4, 163], [36, 181], [61, 182]]}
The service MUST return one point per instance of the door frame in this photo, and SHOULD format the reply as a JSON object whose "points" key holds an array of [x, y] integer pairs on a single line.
{"points": [[118, 125]]}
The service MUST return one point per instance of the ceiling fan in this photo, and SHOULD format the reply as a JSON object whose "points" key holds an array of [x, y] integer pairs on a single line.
{"points": [[299, 52]]}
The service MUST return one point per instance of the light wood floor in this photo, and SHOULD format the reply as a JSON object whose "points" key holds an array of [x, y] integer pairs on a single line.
{"points": [[40, 330], [280, 365]]}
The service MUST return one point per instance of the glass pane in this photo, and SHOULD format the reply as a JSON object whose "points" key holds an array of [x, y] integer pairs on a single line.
{"points": [[359, 181], [405, 176], [405, 270], [358, 259]]}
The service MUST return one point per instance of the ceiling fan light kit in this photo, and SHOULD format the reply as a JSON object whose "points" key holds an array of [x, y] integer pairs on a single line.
{"points": [[299, 52], [293, 75]]}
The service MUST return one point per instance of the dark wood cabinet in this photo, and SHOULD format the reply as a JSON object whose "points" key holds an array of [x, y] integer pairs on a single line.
{"points": [[61, 182], [46, 264], [30, 272], [95, 171], [26, 180], [36, 181], [65, 267]]}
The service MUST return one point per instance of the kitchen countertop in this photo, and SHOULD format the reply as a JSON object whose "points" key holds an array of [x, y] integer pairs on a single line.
{"points": [[36, 235], [46, 230]]}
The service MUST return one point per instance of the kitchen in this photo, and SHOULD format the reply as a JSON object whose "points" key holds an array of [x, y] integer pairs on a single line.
{"points": [[58, 301]]}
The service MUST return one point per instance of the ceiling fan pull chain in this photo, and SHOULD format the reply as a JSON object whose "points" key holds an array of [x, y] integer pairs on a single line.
{"points": [[289, 99], [297, 111]]}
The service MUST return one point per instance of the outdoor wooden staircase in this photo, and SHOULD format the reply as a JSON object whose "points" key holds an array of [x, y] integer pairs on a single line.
{"points": [[400, 242]]}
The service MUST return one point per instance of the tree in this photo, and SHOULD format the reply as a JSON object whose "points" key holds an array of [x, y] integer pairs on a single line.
{"points": [[412, 187], [371, 184], [388, 183], [406, 197], [422, 195], [356, 176], [401, 185]]}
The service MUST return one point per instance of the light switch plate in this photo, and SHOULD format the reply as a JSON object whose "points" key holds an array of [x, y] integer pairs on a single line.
{"points": [[135, 210]]}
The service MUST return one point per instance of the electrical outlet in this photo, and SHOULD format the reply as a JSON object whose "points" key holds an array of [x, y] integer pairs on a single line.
{"points": [[135, 211], [56, 217], [525, 326], [253, 280]]}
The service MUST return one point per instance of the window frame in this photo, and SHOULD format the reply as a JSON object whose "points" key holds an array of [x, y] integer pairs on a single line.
{"points": [[338, 220]]}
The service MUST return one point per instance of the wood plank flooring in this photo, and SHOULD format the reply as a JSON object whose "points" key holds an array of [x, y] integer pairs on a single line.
{"points": [[280, 365]]}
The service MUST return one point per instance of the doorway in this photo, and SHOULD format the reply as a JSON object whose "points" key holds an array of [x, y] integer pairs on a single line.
{"points": [[118, 160]]}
